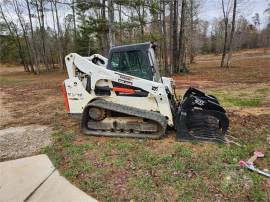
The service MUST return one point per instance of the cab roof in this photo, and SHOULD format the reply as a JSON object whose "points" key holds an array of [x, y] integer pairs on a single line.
{"points": [[139, 46]]}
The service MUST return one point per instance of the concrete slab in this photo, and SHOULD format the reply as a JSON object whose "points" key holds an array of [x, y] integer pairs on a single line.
{"points": [[35, 179], [57, 188], [19, 178]]}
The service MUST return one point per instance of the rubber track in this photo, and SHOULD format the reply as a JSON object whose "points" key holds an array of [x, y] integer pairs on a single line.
{"points": [[150, 115]]}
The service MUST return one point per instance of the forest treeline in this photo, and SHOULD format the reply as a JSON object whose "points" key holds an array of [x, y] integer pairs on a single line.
{"points": [[39, 33]]}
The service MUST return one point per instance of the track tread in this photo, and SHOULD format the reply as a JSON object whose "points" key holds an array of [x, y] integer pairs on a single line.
{"points": [[154, 116]]}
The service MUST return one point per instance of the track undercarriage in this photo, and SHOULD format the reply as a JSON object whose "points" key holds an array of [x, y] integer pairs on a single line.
{"points": [[103, 118], [199, 117]]}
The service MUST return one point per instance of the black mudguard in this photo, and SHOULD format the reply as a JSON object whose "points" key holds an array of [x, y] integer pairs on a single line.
{"points": [[200, 117]]}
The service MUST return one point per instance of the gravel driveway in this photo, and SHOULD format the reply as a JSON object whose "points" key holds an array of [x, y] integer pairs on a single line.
{"points": [[22, 141]]}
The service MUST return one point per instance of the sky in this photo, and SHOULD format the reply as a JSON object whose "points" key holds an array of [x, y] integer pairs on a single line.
{"points": [[208, 10], [211, 9]]}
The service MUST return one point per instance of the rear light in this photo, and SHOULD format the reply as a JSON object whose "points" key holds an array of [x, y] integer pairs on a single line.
{"points": [[64, 91]]}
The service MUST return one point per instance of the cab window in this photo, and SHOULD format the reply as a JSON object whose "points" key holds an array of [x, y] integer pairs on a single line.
{"points": [[133, 63]]}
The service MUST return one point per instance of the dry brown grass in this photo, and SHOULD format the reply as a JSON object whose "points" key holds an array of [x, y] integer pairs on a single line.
{"points": [[206, 72]]}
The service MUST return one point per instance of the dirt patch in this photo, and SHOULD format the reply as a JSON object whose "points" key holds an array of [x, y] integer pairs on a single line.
{"points": [[256, 111], [244, 70], [4, 68], [28, 102], [5, 114], [242, 53], [23, 141]]}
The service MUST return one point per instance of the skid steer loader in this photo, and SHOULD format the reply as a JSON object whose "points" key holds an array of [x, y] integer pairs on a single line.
{"points": [[125, 96]]}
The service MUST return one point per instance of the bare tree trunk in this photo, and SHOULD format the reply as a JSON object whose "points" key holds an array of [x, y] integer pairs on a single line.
{"points": [[165, 39], [158, 18], [55, 33], [231, 35], [59, 38], [111, 23], [43, 36], [141, 27], [142, 32], [74, 19], [130, 29], [175, 44], [53, 18], [192, 51], [182, 47], [120, 24], [18, 12], [16, 38], [89, 46], [40, 12], [104, 35], [33, 45], [141, 14], [225, 35], [170, 37], [21, 53]]}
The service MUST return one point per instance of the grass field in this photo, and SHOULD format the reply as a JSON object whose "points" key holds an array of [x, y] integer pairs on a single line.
{"points": [[121, 169]]}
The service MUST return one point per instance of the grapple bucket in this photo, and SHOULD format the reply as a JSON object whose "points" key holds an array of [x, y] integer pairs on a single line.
{"points": [[200, 117]]}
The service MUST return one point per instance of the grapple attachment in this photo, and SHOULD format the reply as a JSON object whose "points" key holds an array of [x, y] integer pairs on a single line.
{"points": [[200, 117]]}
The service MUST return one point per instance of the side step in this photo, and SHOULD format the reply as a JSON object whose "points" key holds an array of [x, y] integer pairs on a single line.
{"points": [[130, 111]]}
